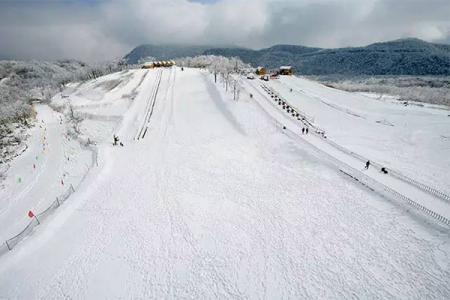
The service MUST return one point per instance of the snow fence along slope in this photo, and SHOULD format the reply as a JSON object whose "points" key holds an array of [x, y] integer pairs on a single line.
{"points": [[59, 159], [409, 139], [397, 186], [52, 162], [225, 205]]}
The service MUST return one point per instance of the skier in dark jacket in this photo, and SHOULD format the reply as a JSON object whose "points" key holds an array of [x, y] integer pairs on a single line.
{"points": [[367, 164], [303, 130], [306, 130]]}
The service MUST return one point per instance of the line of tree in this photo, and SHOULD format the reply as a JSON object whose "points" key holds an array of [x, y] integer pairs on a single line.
{"points": [[21, 82], [427, 89], [223, 69]]}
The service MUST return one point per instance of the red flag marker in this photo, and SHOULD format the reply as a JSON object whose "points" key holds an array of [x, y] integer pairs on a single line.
{"points": [[32, 215]]}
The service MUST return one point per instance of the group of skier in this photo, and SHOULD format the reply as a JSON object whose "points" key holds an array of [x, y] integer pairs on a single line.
{"points": [[117, 141], [305, 130], [383, 169]]}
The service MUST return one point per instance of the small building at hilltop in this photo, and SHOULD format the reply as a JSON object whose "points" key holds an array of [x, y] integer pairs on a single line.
{"points": [[148, 65], [261, 71], [168, 63], [286, 70], [158, 64]]}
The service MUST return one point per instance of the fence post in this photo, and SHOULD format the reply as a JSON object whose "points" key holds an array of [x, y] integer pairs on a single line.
{"points": [[7, 245]]}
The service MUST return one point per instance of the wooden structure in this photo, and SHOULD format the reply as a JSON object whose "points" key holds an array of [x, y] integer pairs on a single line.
{"points": [[148, 65], [286, 70], [158, 64], [260, 71]]}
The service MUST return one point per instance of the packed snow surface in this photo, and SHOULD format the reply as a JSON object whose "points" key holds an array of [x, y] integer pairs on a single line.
{"points": [[216, 200]]}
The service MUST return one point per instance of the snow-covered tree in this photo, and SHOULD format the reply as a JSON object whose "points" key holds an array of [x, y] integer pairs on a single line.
{"points": [[21, 82], [221, 67], [428, 89]]}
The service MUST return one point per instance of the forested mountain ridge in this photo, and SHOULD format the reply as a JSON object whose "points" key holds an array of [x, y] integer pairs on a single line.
{"points": [[400, 57]]}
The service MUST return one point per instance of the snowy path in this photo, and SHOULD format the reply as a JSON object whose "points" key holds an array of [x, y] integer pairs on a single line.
{"points": [[404, 188], [217, 202], [34, 179]]}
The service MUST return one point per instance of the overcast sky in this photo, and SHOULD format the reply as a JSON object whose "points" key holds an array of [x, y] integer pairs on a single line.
{"points": [[93, 30]]}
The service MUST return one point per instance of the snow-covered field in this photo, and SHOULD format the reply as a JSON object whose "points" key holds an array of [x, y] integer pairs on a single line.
{"points": [[216, 200]]}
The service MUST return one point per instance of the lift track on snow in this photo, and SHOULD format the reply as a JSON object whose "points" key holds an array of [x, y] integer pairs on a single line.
{"points": [[150, 106]]}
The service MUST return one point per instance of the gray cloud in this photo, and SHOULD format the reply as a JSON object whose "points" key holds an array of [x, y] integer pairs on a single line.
{"points": [[97, 30], [355, 22]]}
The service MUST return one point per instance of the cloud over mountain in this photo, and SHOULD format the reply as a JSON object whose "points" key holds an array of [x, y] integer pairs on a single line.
{"points": [[97, 29]]}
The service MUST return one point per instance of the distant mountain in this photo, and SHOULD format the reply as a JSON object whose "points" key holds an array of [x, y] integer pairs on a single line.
{"points": [[271, 57], [399, 57], [163, 52]]}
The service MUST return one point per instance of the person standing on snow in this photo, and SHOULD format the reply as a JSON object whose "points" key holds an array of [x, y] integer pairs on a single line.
{"points": [[306, 130], [303, 130], [367, 165]]}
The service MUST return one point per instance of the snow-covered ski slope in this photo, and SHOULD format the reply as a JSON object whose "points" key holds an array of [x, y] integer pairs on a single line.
{"points": [[50, 164], [54, 159], [218, 201], [412, 139], [394, 185]]}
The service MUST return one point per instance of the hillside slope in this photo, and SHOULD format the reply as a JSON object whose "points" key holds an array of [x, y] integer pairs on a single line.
{"points": [[217, 200], [21, 81]]}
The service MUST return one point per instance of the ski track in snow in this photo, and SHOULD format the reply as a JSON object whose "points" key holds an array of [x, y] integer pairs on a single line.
{"points": [[217, 202]]}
